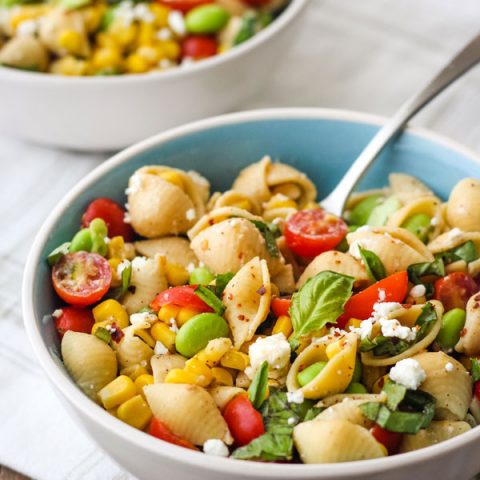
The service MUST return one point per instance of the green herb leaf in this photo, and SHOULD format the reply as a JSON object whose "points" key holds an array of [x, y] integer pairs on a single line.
{"points": [[319, 301], [125, 279], [221, 281], [475, 369], [103, 334], [361, 211], [270, 233], [73, 4], [395, 394], [375, 268], [467, 252], [381, 213], [389, 346], [210, 299], [425, 320], [313, 413], [58, 253], [418, 270], [257, 392]]}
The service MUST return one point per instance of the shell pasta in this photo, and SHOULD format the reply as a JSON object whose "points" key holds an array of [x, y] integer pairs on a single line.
{"points": [[250, 323]]}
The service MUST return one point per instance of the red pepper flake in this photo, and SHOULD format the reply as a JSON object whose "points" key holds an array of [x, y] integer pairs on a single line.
{"points": [[477, 298], [262, 290], [241, 317], [476, 305], [463, 332], [381, 382], [230, 296], [116, 333]]}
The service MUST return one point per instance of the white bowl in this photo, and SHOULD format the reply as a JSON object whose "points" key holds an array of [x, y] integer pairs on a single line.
{"points": [[320, 142], [109, 113]]}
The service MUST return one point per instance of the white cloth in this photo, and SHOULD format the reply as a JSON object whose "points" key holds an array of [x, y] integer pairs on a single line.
{"points": [[365, 55]]}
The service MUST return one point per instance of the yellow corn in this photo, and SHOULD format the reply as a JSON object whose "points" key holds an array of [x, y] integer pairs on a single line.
{"points": [[117, 391], [134, 371], [135, 412], [378, 385], [352, 322], [116, 246], [176, 274], [280, 201], [71, 41], [311, 206], [116, 278], [171, 49], [123, 34], [167, 312], [214, 351], [283, 325], [203, 374], [69, 66], [92, 16], [290, 190], [161, 14], [106, 57], [243, 204], [146, 34], [236, 360], [136, 64], [173, 177], [146, 337], [334, 348], [185, 314], [141, 381], [179, 375], [222, 376], [25, 12], [162, 333], [384, 448], [111, 311], [113, 412], [106, 40]]}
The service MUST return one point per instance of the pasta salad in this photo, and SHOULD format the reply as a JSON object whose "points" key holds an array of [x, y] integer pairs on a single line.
{"points": [[252, 324]]}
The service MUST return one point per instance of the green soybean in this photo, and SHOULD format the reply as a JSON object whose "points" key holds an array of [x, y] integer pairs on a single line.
{"points": [[206, 19], [309, 373], [357, 372], [381, 213], [201, 276], [419, 224], [356, 387], [362, 210], [82, 241], [194, 335], [98, 231], [452, 324]]}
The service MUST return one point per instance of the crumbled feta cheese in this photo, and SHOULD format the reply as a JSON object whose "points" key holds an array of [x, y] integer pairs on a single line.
{"points": [[408, 373], [139, 262], [160, 348], [291, 420], [125, 11], [337, 331], [164, 34], [173, 325], [166, 63], [127, 218], [216, 447], [176, 22], [122, 266], [57, 313], [354, 250], [393, 328], [274, 349], [449, 367], [455, 234], [187, 62], [27, 28], [190, 214], [364, 330], [143, 13], [134, 184], [418, 291], [295, 397], [381, 295], [190, 267], [383, 309], [142, 318]]}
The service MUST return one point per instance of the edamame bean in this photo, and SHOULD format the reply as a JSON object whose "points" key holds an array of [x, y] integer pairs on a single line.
{"points": [[201, 276], [198, 331], [356, 387], [362, 210], [357, 372], [381, 213], [419, 224], [82, 241], [309, 373], [206, 19], [452, 324], [98, 231]]}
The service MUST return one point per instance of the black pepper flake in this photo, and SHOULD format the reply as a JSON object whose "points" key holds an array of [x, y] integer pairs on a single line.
{"points": [[262, 290]]}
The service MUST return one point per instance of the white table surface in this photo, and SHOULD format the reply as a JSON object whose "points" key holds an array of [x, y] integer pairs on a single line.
{"points": [[364, 55]]}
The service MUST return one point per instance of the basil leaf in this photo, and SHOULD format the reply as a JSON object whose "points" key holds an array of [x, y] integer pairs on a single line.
{"points": [[257, 392], [210, 299], [267, 447], [418, 270], [319, 301], [54, 256], [475, 369], [425, 321], [395, 394], [467, 252], [125, 278], [389, 346], [375, 268], [221, 281], [313, 413], [270, 233]]}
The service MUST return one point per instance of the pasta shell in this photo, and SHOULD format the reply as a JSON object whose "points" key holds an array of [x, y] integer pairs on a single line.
{"points": [[341, 397], [232, 198], [452, 389], [453, 239], [347, 410], [131, 350], [148, 280], [201, 185], [90, 362], [462, 206], [469, 342], [336, 262], [405, 187], [222, 395], [337, 374], [285, 279], [175, 249], [252, 181], [162, 364], [435, 433], [335, 441], [188, 411], [246, 308], [357, 197], [370, 375], [158, 207]]}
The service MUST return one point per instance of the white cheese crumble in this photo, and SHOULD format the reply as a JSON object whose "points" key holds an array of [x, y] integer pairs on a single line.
{"points": [[27, 28], [354, 250], [163, 34], [274, 349], [142, 318], [176, 22], [190, 214], [57, 313], [364, 330], [143, 13], [165, 63], [190, 267], [173, 325], [216, 447], [139, 262], [291, 420], [381, 295], [408, 373], [134, 184], [418, 291], [449, 367], [383, 309], [122, 266], [295, 397], [393, 328], [160, 348]]}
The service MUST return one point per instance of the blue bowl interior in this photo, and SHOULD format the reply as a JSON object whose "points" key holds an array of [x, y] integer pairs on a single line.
{"points": [[322, 148]]}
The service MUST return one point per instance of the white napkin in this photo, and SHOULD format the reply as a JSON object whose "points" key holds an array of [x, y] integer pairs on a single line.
{"points": [[367, 55]]}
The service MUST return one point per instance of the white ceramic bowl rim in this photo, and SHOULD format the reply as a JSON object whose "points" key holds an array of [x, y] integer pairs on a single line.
{"points": [[291, 11], [198, 459]]}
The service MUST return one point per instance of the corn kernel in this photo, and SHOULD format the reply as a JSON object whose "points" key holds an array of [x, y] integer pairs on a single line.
{"points": [[116, 278], [280, 201], [176, 274], [311, 206], [352, 322], [92, 16], [117, 391], [161, 14], [334, 348], [222, 376], [136, 64], [384, 448], [69, 66], [71, 41], [235, 359], [146, 34], [141, 381], [243, 204], [185, 314], [162, 333], [25, 12], [104, 39], [111, 311], [179, 375], [134, 371], [167, 312], [214, 351], [171, 49], [106, 57], [203, 374], [113, 412], [123, 34], [146, 337], [290, 190], [135, 412], [283, 325], [116, 247], [173, 177]]}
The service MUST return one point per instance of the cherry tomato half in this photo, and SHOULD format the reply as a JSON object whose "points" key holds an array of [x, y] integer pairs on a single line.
{"points": [[183, 5], [454, 290], [161, 431], [390, 440], [81, 278], [311, 232], [113, 214], [183, 296], [280, 306], [198, 47], [245, 423], [75, 319], [391, 289]]}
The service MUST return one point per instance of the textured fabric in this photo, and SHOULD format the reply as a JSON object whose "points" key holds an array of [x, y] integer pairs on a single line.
{"points": [[365, 55]]}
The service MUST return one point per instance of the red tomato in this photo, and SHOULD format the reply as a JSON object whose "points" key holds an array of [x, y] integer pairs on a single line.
{"points": [[161, 431], [81, 278], [455, 289], [476, 390], [183, 296], [394, 287], [390, 440], [311, 232], [112, 213], [280, 306], [245, 423], [75, 319], [183, 5], [198, 47]]}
